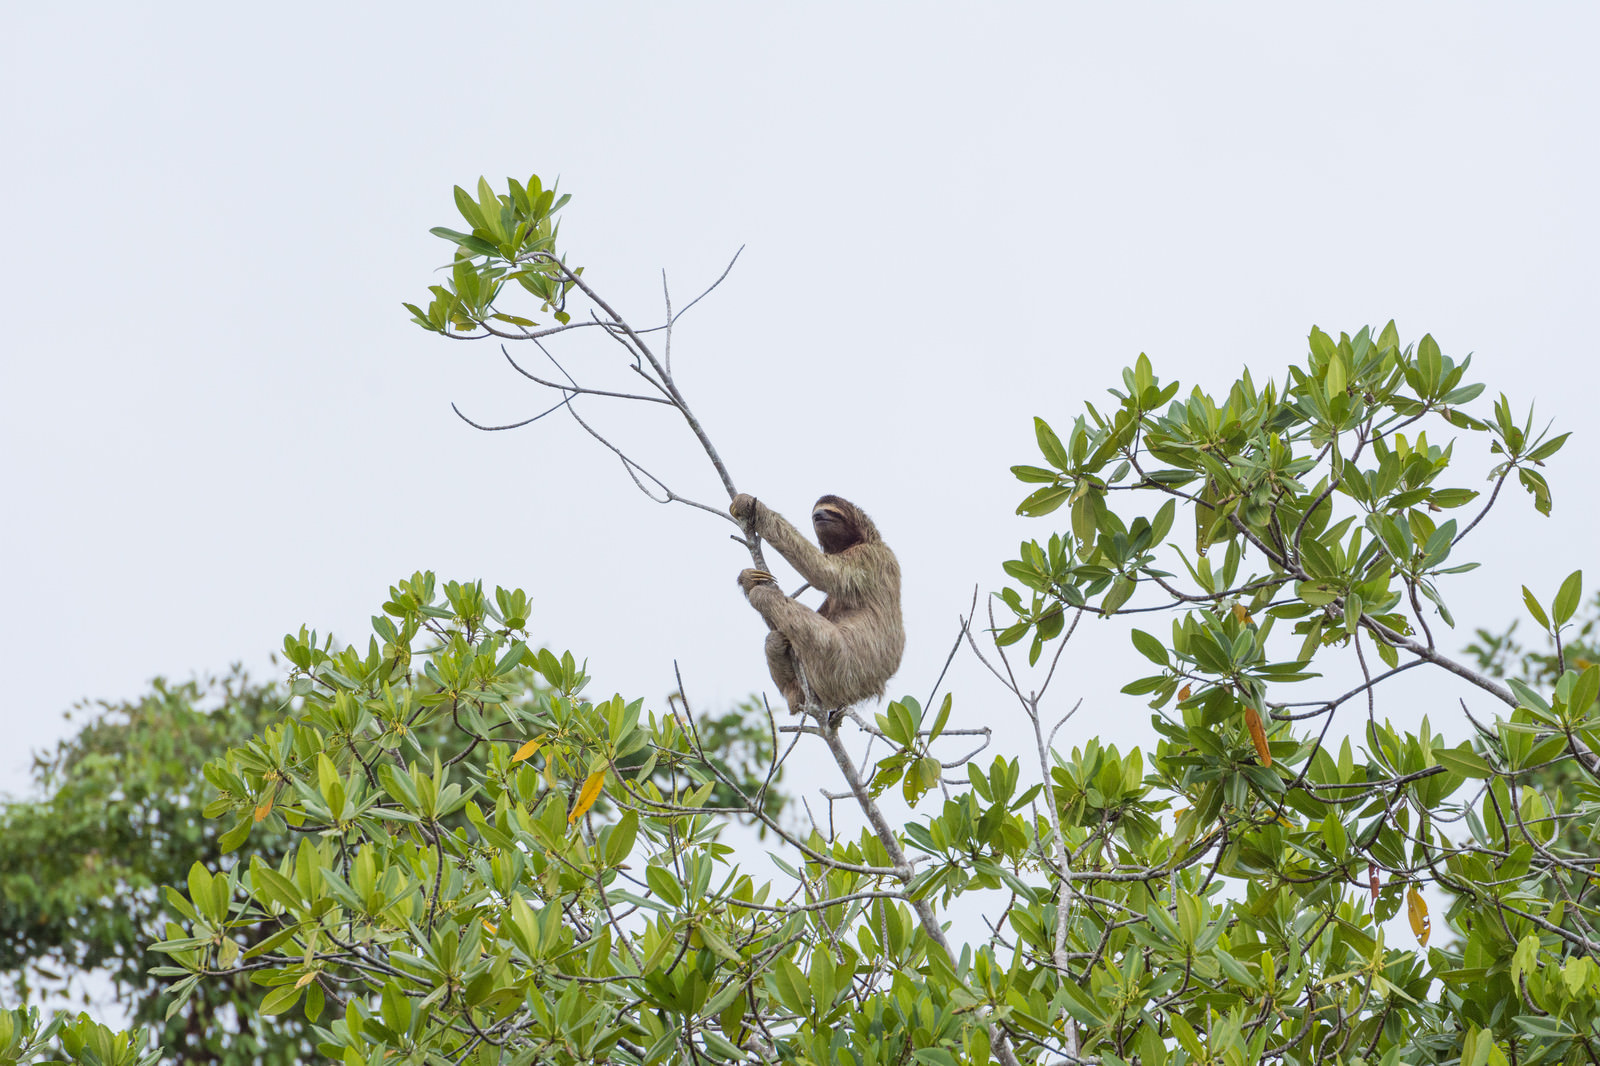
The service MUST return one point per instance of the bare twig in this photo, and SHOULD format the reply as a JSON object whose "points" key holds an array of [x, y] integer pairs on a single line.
{"points": [[513, 425], [574, 388]]}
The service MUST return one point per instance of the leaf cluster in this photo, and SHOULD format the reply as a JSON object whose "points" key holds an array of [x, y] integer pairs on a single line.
{"points": [[1320, 506], [512, 237], [76, 1039], [519, 888]]}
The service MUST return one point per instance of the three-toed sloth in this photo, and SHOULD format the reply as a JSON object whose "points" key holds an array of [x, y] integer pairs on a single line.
{"points": [[850, 646]]}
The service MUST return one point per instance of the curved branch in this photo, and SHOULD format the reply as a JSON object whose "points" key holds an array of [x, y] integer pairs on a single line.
{"points": [[1492, 497], [513, 425], [574, 388], [631, 467]]}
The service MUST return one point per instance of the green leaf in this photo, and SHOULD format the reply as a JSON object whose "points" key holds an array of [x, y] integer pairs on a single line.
{"points": [[1465, 394], [468, 209], [1081, 1005], [1448, 498], [1335, 380], [201, 896], [664, 884], [719, 946], [182, 992], [1566, 601], [934, 1056], [619, 844], [942, 718], [233, 838], [1146, 684], [1584, 692], [279, 1000], [1538, 488], [1161, 525], [1389, 337], [1121, 589], [1548, 448], [1045, 500], [1011, 634], [1186, 1035], [515, 320], [476, 245], [268, 884], [1545, 1027], [1463, 761], [794, 991], [1334, 836], [316, 1000], [1035, 474], [1050, 445], [1352, 612], [1534, 609], [1527, 696], [1150, 647]]}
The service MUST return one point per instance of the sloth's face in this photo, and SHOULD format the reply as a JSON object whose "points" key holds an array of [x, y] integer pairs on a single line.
{"points": [[835, 530]]}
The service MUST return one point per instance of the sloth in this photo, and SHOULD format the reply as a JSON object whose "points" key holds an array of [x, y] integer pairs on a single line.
{"points": [[849, 647]]}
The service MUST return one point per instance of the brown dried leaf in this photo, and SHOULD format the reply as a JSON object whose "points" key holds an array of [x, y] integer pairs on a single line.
{"points": [[1417, 913], [1258, 735]]}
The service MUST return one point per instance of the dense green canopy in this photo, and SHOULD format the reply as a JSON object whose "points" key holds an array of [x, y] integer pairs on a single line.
{"points": [[449, 847]]}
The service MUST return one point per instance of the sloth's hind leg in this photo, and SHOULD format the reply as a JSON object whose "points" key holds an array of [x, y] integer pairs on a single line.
{"points": [[780, 662]]}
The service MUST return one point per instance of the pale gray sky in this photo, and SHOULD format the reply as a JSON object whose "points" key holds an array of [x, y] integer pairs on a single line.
{"points": [[219, 424]]}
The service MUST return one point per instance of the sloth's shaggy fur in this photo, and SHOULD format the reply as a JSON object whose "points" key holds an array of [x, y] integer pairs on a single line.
{"points": [[851, 645]]}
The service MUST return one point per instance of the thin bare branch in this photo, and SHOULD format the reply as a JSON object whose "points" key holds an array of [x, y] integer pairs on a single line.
{"points": [[948, 659], [514, 425], [632, 466], [709, 289], [575, 388], [1493, 496], [666, 296]]}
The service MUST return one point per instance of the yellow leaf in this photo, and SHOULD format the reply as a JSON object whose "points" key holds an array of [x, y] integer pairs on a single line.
{"points": [[307, 978], [1417, 912], [591, 792], [527, 750], [1258, 735], [1183, 693], [264, 808]]}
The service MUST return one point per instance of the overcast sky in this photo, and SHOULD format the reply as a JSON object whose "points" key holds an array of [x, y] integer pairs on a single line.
{"points": [[219, 424]]}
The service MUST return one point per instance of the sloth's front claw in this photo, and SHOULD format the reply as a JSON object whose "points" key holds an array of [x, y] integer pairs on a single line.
{"points": [[750, 577]]}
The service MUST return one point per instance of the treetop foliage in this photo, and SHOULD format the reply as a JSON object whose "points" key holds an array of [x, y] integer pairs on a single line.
{"points": [[552, 886]]}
